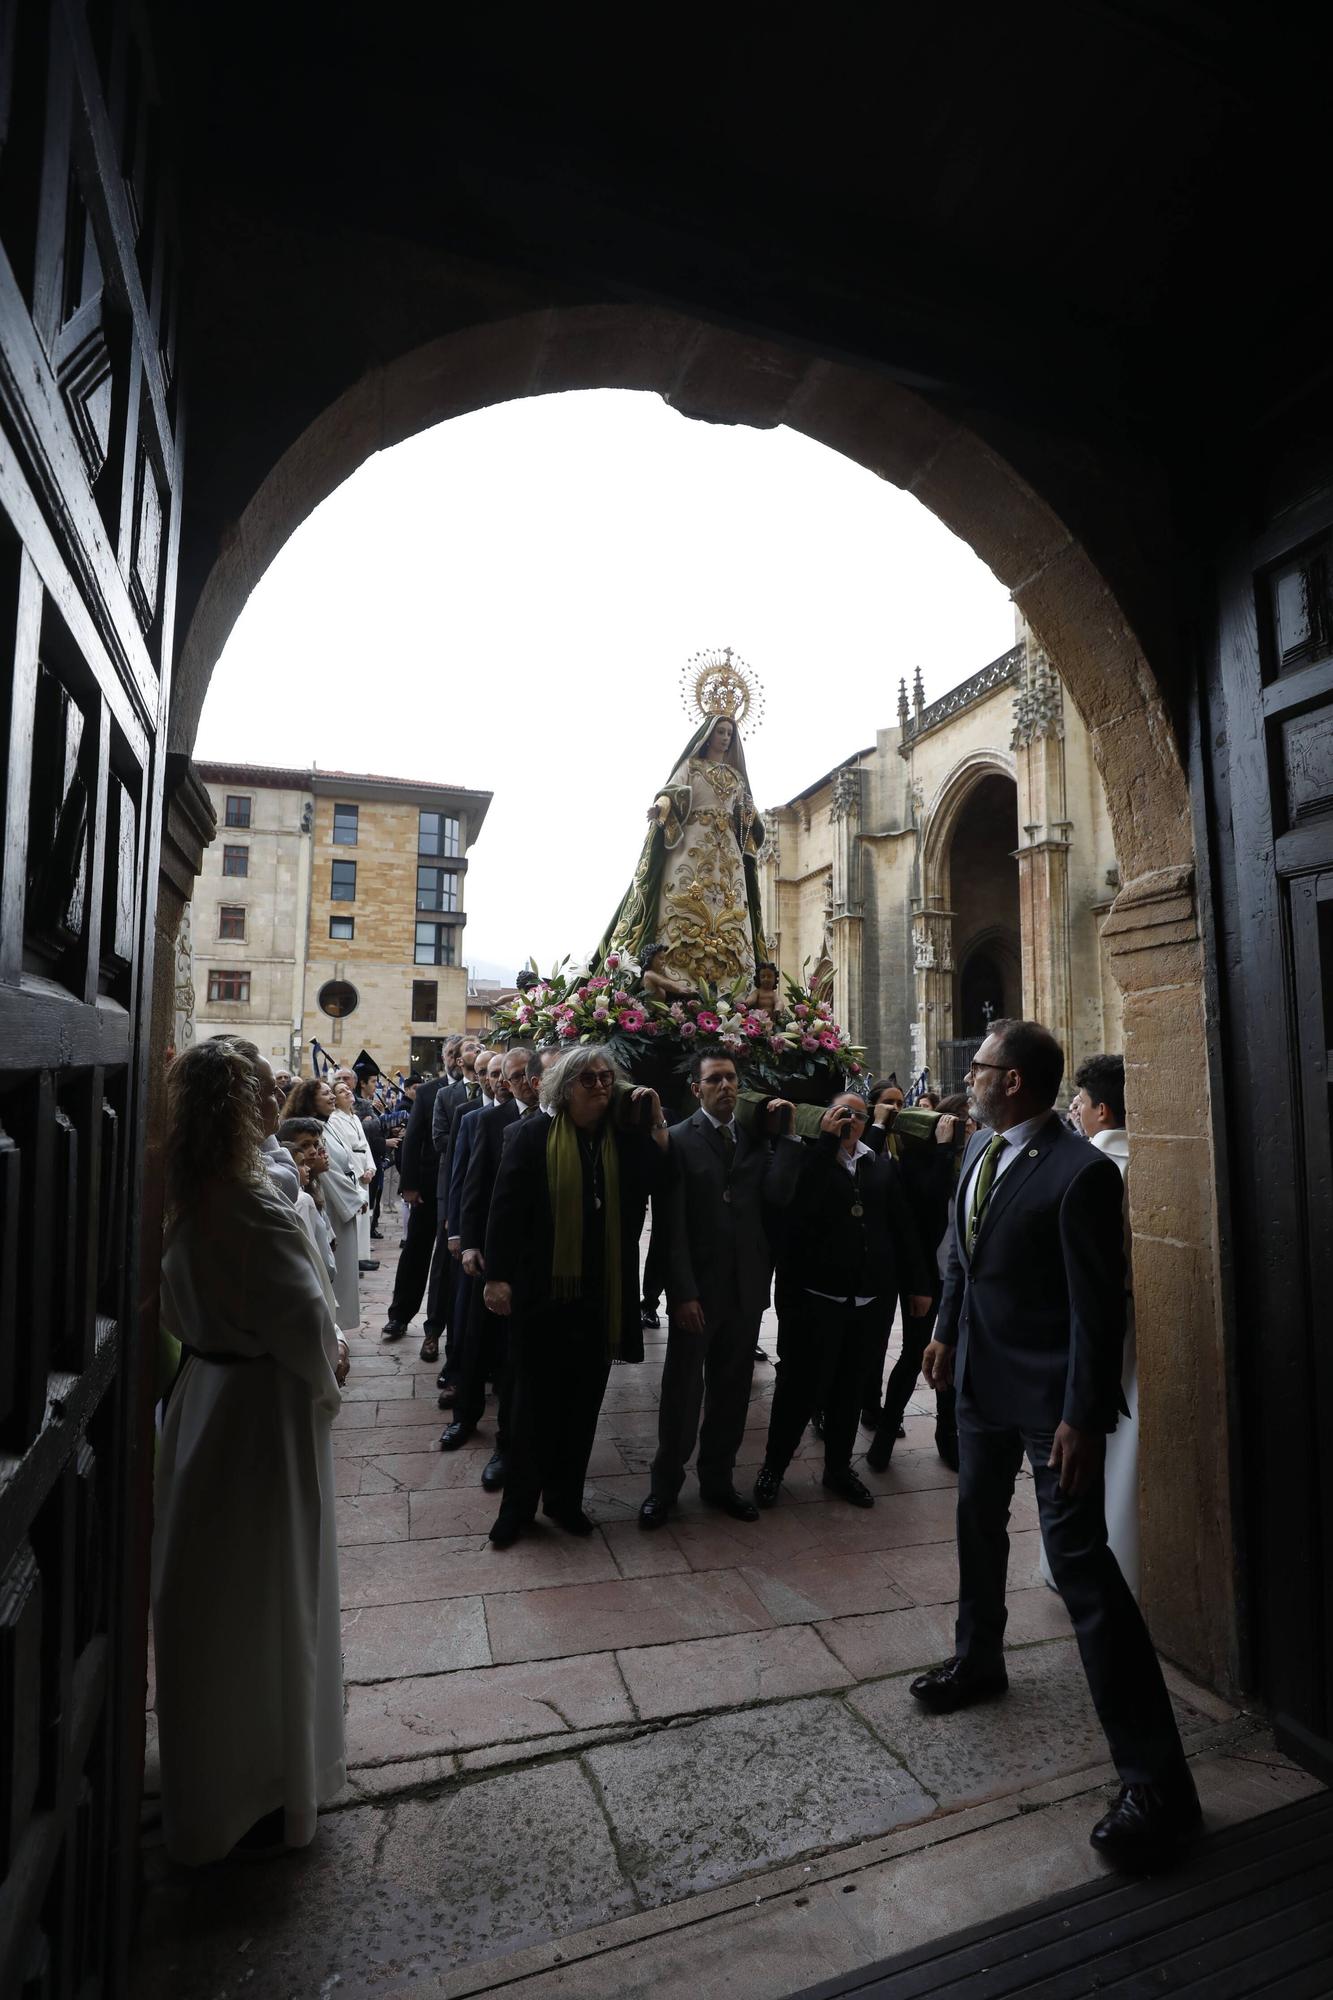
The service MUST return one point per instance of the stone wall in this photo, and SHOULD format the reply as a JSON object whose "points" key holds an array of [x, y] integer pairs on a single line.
{"points": [[273, 896]]}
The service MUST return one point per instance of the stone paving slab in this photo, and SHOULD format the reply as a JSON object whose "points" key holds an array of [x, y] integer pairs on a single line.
{"points": [[595, 1617], [441, 1713], [366, 1441], [386, 1641], [1044, 1726], [372, 1517], [733, 1672], [806, 1588], [457, 1566], [700, 1804]]}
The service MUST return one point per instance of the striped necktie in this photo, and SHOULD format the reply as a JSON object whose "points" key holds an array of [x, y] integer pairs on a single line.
{"points": [[981, 1188]]}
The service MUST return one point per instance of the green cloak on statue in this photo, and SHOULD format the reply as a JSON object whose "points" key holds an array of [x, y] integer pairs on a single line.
{"points": [[695, 891]]}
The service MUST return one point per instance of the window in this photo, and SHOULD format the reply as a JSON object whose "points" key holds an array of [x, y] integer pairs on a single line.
{"points": [[435, 944], [231, 921], [342, 889], [344, 826], [224, 984], [438, 834], [425, 999], [238, 811], [342, 927], [236, 861], [437, 889], [338, 998]]}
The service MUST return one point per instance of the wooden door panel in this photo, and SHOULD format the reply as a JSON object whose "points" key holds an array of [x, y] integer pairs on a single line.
{"points": [[89, 505]]}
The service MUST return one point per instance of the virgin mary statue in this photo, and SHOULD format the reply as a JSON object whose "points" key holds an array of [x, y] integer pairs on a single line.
{"points": [[693, 906]]}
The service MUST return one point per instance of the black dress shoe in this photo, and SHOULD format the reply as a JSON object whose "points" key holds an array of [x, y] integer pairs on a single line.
{"points": [[767, 1487], [761, 1354], [455, 1434], [848, 1487], [729, 1501], [648, 1317], [946, 1444], [871, 1416], [880, 1453], [506, 1531], [368, 1264], [493, 1472], [444, 1380], [1147, 1825], [376, 1232], [655, 1512], [394, 1329], [573, 1520], [957, 1685]]}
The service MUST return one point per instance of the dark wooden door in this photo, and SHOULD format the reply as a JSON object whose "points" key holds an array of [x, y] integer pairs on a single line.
{"points": [[89, 486], [1271, 732]]}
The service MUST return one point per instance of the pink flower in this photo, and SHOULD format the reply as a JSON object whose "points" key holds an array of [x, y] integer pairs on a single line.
{"points": [[800, 1010], [582, 993], [613, 961], [708, 1021], [687, 1028], [809, 1042], [677, 1011], [524, 1016], [776, 1042], [650, 1028], [754, 1029], [828, 1041], [732, 1042], [596, 985], [600, 1014], [856, 1069], [633, 1021], [566, 1029], [621, 999]]}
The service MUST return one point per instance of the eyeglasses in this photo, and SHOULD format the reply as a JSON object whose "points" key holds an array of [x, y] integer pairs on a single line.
{"points": [[974, 1066], [596, 1079]]}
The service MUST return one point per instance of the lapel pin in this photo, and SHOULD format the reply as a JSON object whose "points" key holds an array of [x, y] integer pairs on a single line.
{"points": [[1032, 1152]]}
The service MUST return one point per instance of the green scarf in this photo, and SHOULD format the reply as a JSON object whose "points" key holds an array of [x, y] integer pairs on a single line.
{"points": [[564, 1179]]}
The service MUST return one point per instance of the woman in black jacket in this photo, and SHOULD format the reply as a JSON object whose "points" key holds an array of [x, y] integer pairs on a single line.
{"points": [[852, 1247]]}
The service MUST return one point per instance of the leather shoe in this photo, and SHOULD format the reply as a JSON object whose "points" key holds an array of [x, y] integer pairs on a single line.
{"points": [[654, 1512], [368, 1264], [870, 1416], [648, 1317], [761, 1354], [394, 1329], [957, 1685], [442, 1380], [573, 1523], [729, 1501], [946, 1444], [880, 1453], [506, 1531], [1147, 1824], [767, 1487], [376, 1232], [455, 1434], [848, 1487], [493, 1472]]}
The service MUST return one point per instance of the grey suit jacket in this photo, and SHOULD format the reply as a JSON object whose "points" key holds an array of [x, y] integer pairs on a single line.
{"points": [[719, 1250], [1037, 1313]]}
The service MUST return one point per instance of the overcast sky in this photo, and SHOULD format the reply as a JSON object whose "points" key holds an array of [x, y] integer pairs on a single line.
{"points": [[506, 603]]}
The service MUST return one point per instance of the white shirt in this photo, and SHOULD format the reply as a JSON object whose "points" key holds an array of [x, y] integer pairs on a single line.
{"points": [[1015, 1139], [847, 1161], [718, 1124]]}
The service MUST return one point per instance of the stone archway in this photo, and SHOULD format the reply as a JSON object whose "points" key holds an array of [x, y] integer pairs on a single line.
{"points": [[1152, 932]]}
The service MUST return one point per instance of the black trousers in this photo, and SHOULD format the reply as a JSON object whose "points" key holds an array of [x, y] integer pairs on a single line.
{"points": [[1124, 1677], [439, 1287], [903, 1380], [709, 1371], [824, 1347], [655, 1263], [560, 1371], [409, 1285], [485, 1357]]}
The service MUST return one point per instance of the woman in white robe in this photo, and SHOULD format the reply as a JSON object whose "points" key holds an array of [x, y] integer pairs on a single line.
{"points": [[246, 1614], [341, 1187], [347, 1127]]}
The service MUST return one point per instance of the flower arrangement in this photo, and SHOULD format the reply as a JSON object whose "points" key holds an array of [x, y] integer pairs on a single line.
{"points": [[800, 1039]]}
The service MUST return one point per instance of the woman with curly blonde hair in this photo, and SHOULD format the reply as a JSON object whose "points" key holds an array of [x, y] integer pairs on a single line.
{"points": [[245, 1565]]}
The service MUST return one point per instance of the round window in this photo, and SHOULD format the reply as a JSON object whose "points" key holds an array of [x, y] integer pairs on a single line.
{"points": [[338, 999]]}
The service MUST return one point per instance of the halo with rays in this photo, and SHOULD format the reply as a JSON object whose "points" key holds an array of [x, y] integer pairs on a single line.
{"points": [[718, 682]]}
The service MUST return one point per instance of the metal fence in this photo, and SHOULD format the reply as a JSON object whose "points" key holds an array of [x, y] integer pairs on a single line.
{"points": [[955, 1058]]}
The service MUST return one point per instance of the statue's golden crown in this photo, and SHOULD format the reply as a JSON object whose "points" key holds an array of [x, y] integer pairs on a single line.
{"points": [[718, 683]]}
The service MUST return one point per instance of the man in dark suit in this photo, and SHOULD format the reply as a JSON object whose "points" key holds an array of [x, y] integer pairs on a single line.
{"points": [[719, 1270], [459, 1060], [417, 1168], [483, 1339], [1030, 1328]]}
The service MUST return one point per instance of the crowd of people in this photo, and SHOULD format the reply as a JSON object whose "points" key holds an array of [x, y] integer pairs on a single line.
{"points": [[997, 1234]]}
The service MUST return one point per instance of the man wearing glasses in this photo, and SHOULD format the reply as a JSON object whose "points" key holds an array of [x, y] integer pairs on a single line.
{"points": [[562, 1265], [1031, 1327]]}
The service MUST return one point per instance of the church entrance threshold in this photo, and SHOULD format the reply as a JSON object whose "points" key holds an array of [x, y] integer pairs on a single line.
{"points": [[683, 1762]]}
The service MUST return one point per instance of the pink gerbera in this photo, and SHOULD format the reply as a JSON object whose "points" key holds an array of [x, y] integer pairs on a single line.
{"points": [[828, 1041], [709, 1021], [633, 1021], [755, 1029]]}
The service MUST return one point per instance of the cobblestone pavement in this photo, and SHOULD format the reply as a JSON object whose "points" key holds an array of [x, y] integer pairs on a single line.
{"points": [[559, 1741]]}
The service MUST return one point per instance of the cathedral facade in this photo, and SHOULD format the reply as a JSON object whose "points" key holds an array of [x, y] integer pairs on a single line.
{"points": [[958, 870]]}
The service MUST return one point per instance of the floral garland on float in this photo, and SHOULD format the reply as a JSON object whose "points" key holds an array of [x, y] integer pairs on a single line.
{"points": [[794, 1043]]}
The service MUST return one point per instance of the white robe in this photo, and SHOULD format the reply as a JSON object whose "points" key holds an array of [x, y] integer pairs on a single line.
{"points": [[347, 1281], [353, 1135], [246, 1614]]}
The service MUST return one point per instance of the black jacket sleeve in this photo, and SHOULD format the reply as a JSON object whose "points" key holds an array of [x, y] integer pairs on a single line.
{"points": [[409, 1155], [1092, 1238]]}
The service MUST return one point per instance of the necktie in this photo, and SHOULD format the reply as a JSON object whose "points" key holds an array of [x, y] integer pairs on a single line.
{"points": [[729, 1134], [981, 1188]]}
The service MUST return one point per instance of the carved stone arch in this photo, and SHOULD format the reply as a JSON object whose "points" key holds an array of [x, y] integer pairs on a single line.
{"points": [[941, 817]]}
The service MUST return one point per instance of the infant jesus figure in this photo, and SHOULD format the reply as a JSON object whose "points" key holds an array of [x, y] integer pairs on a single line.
{"points": [[764, 993], [660, 984]]}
